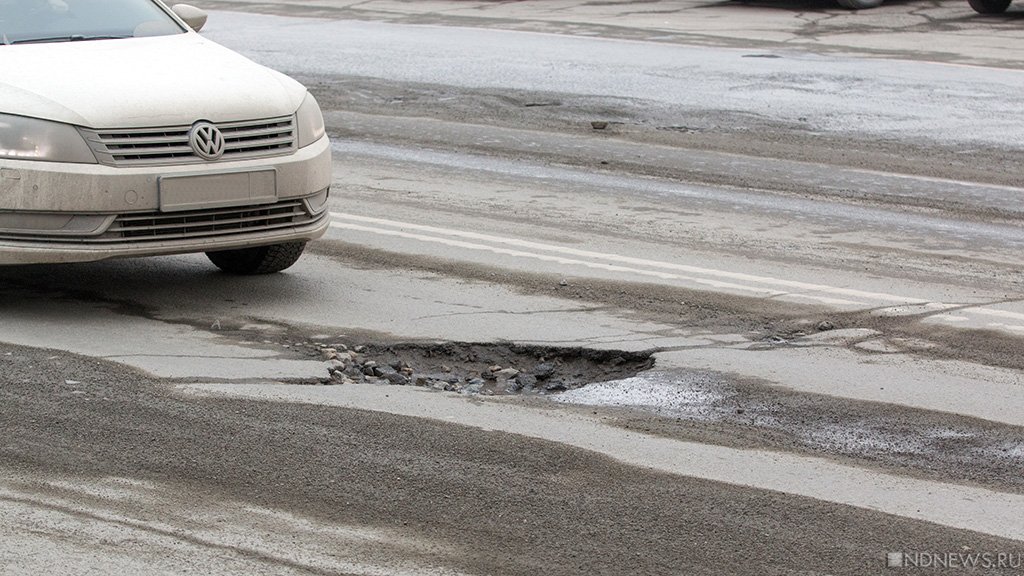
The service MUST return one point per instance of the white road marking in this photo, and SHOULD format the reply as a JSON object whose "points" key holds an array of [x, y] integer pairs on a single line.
{"points": [[570, 261], [739, 276], [763, 286], [936, 180]]}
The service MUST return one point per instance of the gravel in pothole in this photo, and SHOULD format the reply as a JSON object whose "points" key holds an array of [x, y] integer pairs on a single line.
{"points": [[488, 369]]}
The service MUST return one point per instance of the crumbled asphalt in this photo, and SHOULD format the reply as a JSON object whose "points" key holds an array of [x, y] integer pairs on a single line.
{"points": [[512, 504]]}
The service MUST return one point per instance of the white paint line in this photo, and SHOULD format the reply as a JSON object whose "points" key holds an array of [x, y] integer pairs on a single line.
{"points": [[954, 505], [739, 276], [763, 292], [772, 285], [935, 180]]}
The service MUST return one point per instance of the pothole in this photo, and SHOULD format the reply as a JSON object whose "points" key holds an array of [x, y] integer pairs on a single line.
{"points": [[487, 369]]}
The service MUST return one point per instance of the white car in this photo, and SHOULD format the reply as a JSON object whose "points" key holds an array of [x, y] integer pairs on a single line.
{"points": [[123, 132]]}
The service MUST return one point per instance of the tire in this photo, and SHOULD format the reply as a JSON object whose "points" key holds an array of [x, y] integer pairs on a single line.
{"points": [[989, 6], [258, 260], [859, 4]]}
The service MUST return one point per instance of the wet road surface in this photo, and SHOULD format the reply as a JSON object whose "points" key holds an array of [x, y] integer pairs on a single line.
{"points": [[828, 281]]}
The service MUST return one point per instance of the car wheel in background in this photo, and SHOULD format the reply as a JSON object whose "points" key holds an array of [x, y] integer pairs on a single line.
{"points": [[258, 260], [860, 4], [989, 6]]}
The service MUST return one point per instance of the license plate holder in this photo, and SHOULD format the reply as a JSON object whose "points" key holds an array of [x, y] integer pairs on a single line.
{"points": [[224, 190]]}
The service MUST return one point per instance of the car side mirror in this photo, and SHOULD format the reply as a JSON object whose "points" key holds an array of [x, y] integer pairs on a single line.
{"points": [[194, 17]]}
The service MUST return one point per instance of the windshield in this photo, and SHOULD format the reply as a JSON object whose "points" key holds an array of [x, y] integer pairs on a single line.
{"points": [[24, 21]]}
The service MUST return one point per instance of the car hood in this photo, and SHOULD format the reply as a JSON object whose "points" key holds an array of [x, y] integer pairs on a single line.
{"points": [[141, 82]]}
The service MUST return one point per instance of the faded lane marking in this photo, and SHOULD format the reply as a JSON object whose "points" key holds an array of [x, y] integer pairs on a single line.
{"points": [[762, 286], [569, 261]]}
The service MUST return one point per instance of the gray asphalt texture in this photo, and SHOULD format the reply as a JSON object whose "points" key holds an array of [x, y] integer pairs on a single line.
{"points": [[507, 504], [514, 505]]}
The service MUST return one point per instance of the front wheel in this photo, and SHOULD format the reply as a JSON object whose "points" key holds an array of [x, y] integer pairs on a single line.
{"points": [[258, 260], [860, 4], [989, 6]]}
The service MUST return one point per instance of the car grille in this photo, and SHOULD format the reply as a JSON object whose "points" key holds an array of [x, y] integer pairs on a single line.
{"points": [[202, 223], [170, 145], [138, 227]]}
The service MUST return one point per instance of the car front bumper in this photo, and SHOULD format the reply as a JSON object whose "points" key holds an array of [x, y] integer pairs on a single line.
{"points": [[53, 212]]}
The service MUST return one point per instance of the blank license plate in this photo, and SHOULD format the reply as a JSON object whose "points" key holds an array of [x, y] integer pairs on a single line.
{"points": [[179, 193]]}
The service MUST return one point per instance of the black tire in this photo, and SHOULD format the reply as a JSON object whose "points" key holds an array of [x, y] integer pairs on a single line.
{"points": [[859, 4], [258, 260], [989, 6]]}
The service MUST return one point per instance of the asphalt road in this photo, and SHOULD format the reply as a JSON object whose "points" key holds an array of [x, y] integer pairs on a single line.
{"points": [[817, 244]]}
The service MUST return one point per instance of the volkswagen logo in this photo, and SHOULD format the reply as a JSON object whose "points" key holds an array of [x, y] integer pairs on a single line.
{"points": [[207, 141]]}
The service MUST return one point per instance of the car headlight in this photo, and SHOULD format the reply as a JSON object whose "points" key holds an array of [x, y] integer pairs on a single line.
{"points": [[309, 122], [24, 138]]}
